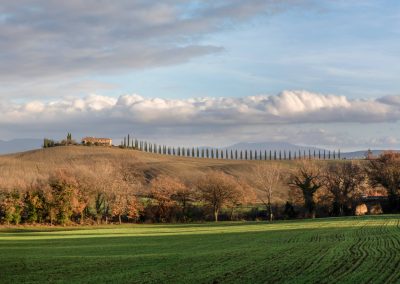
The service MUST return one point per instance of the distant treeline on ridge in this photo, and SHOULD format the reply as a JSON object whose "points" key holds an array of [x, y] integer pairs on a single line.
{"points": [[231, 154]]}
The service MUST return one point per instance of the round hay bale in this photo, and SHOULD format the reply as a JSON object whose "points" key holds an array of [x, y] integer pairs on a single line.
{"points": [[361, 209], [375, 209]]}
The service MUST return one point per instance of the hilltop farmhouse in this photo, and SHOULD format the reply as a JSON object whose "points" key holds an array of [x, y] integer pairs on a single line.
{"points": [[97, 141]]}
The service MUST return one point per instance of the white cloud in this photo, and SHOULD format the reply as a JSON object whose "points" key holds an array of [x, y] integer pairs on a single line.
{"points": [[288, 107], [298, 117]]}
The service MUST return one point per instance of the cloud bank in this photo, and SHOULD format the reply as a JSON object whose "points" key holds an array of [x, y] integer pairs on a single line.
{"points": [[288, 107]]}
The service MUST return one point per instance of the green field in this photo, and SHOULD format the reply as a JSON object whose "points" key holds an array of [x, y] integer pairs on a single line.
{"points": [[339, 250]]}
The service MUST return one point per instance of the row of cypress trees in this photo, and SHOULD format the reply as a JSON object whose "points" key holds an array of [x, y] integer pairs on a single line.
{"points": [[231, 154]]}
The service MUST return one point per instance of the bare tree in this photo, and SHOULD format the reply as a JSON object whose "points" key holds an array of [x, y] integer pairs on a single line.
{"points": [[266, 178], [308, 178], [218, 189], [344, 181], [162, 191], [385, 171]]}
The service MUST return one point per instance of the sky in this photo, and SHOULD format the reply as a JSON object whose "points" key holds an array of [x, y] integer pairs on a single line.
{"points": [[309, 72]]}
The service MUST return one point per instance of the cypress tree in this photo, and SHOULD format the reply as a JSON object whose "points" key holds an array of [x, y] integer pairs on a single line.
{"points": [[290, 155], [339, 154], [280, 155], [284, 154], [334, 154], [251, 154], [241, 154], [212, 153], [294, 155], [236, 154], [275, 155], [255, 154], [270, 155], [245, 155], [207, 153], [329, 154]]}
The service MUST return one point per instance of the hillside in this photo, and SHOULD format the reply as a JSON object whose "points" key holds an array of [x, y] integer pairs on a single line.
{"points": [[22, 169]]}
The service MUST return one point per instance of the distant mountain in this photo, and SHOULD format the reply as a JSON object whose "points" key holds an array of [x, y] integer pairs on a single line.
{"points": [[284, 146], [19, 145], [271, 146]]}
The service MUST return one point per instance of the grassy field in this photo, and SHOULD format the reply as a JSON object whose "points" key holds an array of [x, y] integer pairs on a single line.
{"points": [[342, 250]]}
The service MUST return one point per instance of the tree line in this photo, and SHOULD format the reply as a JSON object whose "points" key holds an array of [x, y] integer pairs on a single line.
{"points": [[211, 153], [124, 194], [231, 154]]}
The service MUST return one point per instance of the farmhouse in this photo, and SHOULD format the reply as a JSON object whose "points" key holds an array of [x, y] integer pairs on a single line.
{"points": [[97, 141]]}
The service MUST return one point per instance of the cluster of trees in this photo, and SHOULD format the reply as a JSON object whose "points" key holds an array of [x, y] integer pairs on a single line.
{"points": [[214, 153], [347, 182], [47, 143], [124, 194], [64, 198]]}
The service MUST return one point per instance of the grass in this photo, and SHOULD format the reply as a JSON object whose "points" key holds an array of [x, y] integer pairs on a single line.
{"points": [[336, 250]]}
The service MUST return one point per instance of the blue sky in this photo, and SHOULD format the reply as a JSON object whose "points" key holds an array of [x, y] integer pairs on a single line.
{"points": [[309, 72], [335, 47]]}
